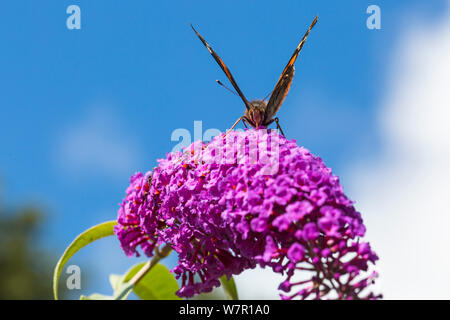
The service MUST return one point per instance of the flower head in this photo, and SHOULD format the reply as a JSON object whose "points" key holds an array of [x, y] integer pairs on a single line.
{"points": [[246, 199]]}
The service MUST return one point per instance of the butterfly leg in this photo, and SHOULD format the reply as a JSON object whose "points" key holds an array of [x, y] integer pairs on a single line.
{"points": [[278, 126], [245, 123], [234, 125]]}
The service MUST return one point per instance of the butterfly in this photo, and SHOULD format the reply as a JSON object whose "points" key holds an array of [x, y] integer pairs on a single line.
{"points": [[260, 113]]}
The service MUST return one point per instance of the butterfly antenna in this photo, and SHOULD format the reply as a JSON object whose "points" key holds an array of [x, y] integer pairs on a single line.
{"points": [[233, 92], [268, 95]]}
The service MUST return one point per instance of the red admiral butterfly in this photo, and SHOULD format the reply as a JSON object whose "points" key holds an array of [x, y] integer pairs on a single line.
{"points": [[260, 112]]}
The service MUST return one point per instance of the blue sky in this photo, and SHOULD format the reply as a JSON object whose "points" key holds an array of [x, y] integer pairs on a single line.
{"points": [[84, 109]]}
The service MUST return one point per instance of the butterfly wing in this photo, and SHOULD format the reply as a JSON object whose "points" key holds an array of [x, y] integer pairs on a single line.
{"points": [[284, 82], [224, 68]]}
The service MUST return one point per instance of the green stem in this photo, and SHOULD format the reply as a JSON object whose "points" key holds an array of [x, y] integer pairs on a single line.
{"points": [[123, 292], [159, 254]]}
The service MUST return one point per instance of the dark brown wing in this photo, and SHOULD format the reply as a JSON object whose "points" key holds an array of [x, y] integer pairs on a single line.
{"points": [[284, 82], [224, 68]]}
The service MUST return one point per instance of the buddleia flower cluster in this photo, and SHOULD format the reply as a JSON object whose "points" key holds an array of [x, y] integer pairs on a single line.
{"points": [[246, 199]]}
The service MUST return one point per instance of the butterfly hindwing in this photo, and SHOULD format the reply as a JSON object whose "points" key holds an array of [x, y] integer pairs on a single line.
{"points": [[279, 93]]}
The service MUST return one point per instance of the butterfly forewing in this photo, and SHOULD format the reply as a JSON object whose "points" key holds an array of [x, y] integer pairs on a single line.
{"points": [[224, 68], [284, 82]]}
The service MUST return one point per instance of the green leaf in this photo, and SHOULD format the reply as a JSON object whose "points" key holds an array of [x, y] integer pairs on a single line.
{"points": [[123, 290], [157, 284], [115, 280], [96, 296], [92, 234], [229, 287]]}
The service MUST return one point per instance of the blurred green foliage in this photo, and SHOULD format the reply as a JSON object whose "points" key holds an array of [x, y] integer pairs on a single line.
{"points": [[25, 268]]}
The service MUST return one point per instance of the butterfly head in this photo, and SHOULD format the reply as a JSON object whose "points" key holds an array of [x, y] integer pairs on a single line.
{"points": [[256, 114]]}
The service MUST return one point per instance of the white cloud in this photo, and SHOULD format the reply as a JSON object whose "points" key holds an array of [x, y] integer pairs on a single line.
{"points": [[261, 284], [98, 144], [404, 194]]}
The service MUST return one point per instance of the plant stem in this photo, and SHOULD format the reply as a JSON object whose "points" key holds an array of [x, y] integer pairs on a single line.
{"points": [[159, 254]]}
